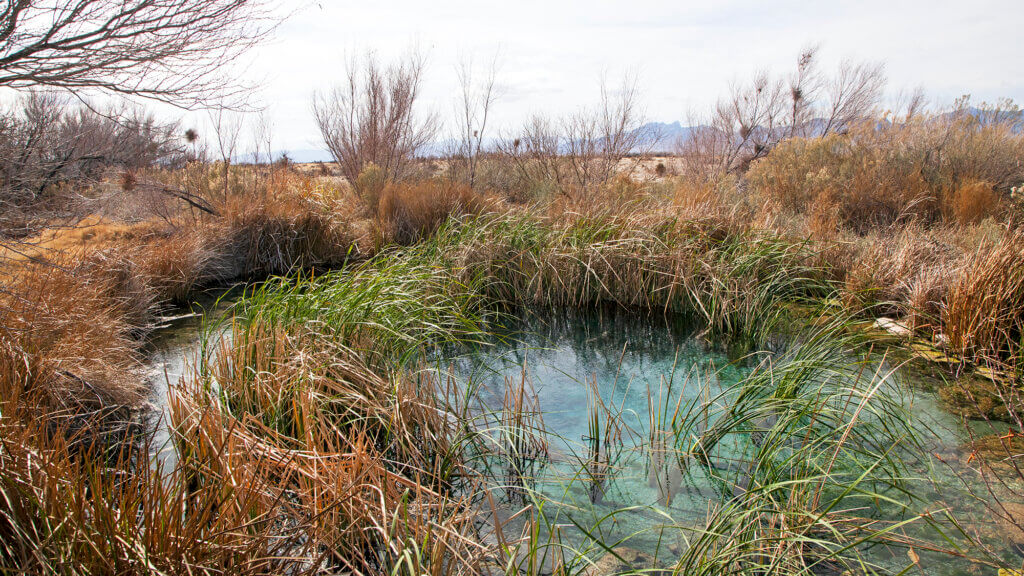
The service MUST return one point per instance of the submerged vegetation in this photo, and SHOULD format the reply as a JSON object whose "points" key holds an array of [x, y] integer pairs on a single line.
{"points": [[318, 431]]}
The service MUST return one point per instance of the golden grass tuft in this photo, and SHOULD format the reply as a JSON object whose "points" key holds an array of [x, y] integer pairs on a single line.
{"points": [[983, 316], [409, 212], [972, 202]]}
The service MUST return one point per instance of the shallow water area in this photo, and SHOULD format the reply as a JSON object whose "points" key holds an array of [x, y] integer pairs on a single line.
{"points": [[639, 369], [643, 368], [172, 352]]}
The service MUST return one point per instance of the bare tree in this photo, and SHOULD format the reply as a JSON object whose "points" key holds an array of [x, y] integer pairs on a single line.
{"points": [[474, 108], [805, 85], [584, 150], [753, 118], [852, 95], [167, 50], [533, 153], [743, 128], [372, 117], [227, 126]]}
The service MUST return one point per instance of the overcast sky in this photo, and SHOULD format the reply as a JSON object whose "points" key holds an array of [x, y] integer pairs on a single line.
{"points": [[552, 54]]}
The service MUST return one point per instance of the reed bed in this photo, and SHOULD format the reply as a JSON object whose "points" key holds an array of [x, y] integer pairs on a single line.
{"points": [[983, 316], [737, 287]]}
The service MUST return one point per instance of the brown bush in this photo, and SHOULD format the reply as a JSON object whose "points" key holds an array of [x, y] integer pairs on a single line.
{"points": [[925, 169], [862, 184], [971, 202], [66, 335], [409, 212]]}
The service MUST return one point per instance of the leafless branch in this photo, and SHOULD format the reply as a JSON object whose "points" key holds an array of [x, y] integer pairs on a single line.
{"points": [[473, 112], [168, 50]]}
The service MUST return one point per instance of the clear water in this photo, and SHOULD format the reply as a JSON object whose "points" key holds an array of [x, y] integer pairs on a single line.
{"points": [[635, 361], [171, 355], [631, 359]]}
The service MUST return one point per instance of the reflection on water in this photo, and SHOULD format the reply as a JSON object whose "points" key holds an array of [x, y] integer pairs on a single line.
{"points": [[638, 363], [171, 353], [643, 368]]}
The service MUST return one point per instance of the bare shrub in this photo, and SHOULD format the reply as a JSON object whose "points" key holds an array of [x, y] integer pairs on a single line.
{"points": [[578, 155], [534, 155], [754, 118], [45, 142], [373, 118]]}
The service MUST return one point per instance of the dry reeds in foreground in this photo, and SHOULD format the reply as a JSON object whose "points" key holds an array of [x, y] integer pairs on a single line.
{"points": [[367, 461]]}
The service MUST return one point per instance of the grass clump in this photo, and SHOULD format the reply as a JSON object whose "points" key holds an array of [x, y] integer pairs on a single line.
{"points": [[982, 316], [810, 453], [409, 212], [737, 287]]}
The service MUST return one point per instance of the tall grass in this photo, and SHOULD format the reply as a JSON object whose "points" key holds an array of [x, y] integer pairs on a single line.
{"points": [[982, 316], [388, 308], [737, 287], [809, 453]]}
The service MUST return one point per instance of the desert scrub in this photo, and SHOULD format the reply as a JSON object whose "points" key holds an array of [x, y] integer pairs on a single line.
{"points": [[955, 168]]}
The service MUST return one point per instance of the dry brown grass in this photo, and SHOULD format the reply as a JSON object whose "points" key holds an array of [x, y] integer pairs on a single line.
{"points": [[358, 452], [67, 335], [971, 202], [926, 169], [409, 212], [903, 274], [74, 307], [78, 501], [983, 316]]}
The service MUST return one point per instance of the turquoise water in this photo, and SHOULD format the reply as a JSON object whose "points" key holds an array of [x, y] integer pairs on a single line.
{"points": [[650, 502], [630, 359], [645, 499]]}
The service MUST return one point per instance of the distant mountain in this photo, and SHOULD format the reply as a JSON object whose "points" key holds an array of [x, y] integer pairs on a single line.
{"points": [[661, 137]]}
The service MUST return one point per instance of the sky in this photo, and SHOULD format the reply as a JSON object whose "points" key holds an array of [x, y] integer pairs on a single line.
{"points": [[551, 55]]}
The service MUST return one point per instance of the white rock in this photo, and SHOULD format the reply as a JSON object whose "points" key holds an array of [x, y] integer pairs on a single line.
{"points": [[893, 327]]}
